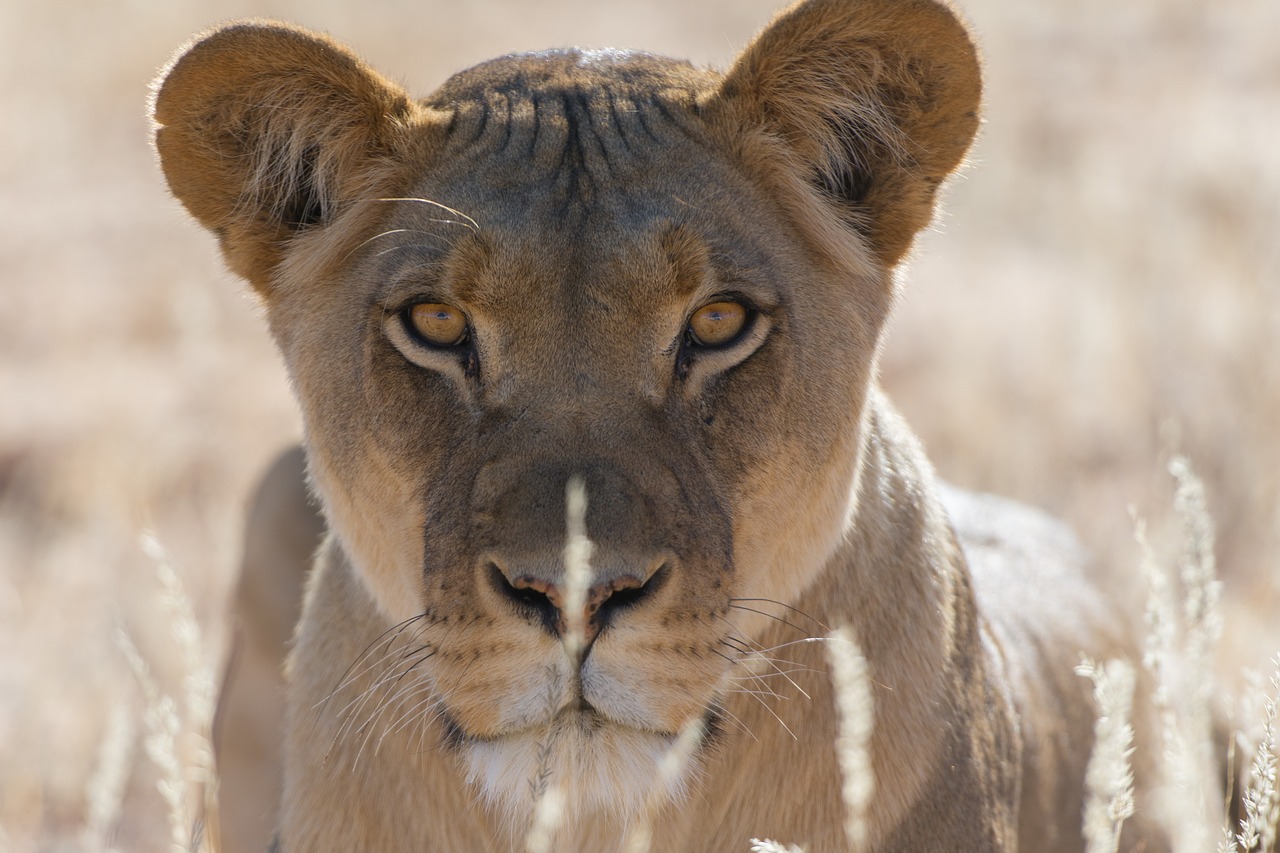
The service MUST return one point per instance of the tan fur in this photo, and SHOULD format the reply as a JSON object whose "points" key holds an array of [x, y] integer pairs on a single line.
{"points": [[578, 207]]}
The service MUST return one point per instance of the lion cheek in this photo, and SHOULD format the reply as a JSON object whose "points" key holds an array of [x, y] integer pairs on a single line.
{"points": [[783, 540], [367, 514]]}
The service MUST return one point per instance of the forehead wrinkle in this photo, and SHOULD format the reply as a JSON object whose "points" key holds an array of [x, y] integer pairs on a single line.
{"points": [[567, 144]]}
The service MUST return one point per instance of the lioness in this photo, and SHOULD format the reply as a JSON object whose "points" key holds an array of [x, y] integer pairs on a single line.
{"points": [[669, 284]]}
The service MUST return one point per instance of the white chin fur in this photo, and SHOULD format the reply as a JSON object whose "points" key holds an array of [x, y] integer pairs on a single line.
{"points": [[602, 769]]}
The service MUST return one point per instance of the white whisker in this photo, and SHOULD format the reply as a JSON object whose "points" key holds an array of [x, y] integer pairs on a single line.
{"points": [[470, 223]]}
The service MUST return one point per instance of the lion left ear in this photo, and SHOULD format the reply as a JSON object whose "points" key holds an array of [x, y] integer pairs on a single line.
{"points": [[265, 130], [877, 100]]}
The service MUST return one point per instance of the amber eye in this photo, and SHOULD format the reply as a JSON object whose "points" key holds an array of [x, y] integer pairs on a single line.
{"points": [[717, 324], [436, 323]]}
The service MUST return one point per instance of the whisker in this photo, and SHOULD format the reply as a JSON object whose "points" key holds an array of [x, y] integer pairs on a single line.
{"points": [[750, 692], [801, 642], [410, 697], [402, 247], [774, 713], [470, 223], [388, 701], [765, 655], [741, 726], [414, 710], [794, 610], [353, 710], [771, 616], [390, 232], [779, 674], [430, 711], [343, 681], [758, 680], [737, 645]]}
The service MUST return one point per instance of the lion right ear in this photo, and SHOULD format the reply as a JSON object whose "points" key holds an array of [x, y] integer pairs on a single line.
{"points": [[265, 130], [874, 102]]}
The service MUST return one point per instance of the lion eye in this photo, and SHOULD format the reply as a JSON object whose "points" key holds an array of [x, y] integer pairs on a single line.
{"points": [[717, 323], [436, 323]]}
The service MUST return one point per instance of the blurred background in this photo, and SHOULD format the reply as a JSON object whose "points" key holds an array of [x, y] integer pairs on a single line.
{"points": [[1101, 291]]}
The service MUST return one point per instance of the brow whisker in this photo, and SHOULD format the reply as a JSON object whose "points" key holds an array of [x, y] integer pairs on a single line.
{"points": [[470, 223]]}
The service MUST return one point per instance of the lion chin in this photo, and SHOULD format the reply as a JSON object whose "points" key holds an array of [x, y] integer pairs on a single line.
{"points": [[597, 767]]}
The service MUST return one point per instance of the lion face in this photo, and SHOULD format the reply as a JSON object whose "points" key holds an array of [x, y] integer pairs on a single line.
{"points": [[572, 266], [571, 279]]}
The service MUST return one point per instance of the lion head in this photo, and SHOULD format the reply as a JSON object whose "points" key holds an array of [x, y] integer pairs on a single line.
{"points": [[602, 267]]}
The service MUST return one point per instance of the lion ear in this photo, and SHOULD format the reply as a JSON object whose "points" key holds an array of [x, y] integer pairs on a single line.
{"points": [[265, 130], [876, 100]]}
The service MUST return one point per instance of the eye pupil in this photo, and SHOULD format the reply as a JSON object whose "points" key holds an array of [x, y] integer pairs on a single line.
{"points": [[717, 323], [437, 323]]}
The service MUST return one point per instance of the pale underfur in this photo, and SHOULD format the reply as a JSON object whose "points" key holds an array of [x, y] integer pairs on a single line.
{"points": [[744, 500]]}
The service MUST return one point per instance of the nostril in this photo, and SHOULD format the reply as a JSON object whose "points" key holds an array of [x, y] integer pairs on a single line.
{"points": [[539, 599], [529, 595], [624, 593]]}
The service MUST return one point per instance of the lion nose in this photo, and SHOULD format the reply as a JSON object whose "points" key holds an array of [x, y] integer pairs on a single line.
{"points": [[601, 601]]}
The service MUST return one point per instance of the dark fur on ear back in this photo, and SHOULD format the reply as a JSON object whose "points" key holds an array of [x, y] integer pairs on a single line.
{"points": [[877, 100], [264, 130]]}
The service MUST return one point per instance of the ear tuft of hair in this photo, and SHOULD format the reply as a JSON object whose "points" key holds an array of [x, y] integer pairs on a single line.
{"points": [[875, 100], [265, 130]]}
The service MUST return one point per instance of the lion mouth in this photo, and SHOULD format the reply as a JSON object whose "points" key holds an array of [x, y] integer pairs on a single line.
{"points": [[583, 718], [580, 716]]}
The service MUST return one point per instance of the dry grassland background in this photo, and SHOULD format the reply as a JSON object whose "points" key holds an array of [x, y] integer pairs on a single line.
{"points": [[1103, 290]]}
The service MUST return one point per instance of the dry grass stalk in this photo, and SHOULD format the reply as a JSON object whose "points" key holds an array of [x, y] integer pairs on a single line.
{"points": [[671, 768], [1227, 842], [1194, 764], [1261, 797], [548, 814], [200, 692], [639, 837], [105, 791], [168, 725], [199, 685], [1201, 594], [161, 743], [1161, 618], [856, 715], [1201, 591], [1160, 659], [541, 780], [549, 800], [1179, 655], [767, 846], [577, 566], [1109, 777]]}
